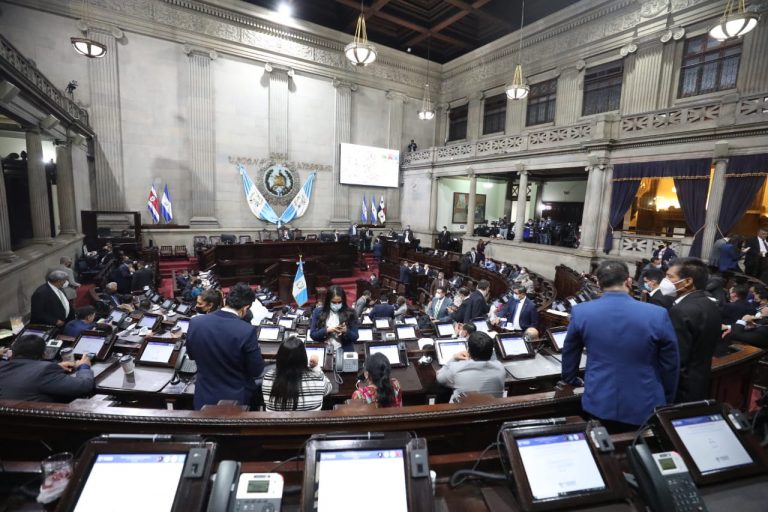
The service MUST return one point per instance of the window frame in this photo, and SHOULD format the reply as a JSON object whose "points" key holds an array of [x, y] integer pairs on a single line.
{"points": [[452, 123], [602, 83], [551, 101], [499, 112], [710, 46]]}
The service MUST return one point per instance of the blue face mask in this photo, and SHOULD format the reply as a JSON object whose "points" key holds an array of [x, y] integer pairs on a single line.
{"points": [[336, 307]]}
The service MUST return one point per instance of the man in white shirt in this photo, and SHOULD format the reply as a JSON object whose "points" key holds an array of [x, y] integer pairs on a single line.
{"points": [[757, 250], [50, 305], [474, 371]]}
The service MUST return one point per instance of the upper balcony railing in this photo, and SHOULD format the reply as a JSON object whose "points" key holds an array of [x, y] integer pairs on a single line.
{"points": [[720, 114]]}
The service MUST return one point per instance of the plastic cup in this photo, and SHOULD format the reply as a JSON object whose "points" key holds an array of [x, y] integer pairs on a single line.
{"points": [[57, 470]]}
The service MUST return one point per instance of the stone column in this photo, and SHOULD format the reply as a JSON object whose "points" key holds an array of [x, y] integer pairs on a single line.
{"points": [[278, 112], [515, 121], [38, 188], [753, 67], [106, 120], [475, 116], [470, 228], [433, 203], [5, 228], [342, 133], [569, 94], [65, 188], [715, 201], [441, 123], [605, 208], [592, 204], [522, 195], [396, 106], [642, 70], [202, 136]]}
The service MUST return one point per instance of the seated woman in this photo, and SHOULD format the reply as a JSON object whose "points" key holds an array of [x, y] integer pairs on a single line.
{"points": [[379, 387], [401, 308], [295, 383], [334, 320]]}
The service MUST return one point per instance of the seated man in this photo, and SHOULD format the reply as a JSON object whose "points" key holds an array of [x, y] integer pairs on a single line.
{"points": [[383, 309], [738, 305], [490, 265], [85, 320], [751, 329], [520, 313], [27, 377], [474, 371], [362, 303]]}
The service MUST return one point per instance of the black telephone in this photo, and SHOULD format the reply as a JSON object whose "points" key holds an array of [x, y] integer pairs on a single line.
{"points": [[664, 481], [223, 486], [185, 365]]}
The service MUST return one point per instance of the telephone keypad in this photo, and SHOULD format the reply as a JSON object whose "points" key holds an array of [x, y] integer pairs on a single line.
{"points": [[685, 495]]}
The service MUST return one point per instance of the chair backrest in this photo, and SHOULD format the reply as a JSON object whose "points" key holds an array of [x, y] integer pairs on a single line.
{"points": [[228, 238], [166, 250], [214, 239], [265, 234], [244, 239], [199, 240], [312, 236]]}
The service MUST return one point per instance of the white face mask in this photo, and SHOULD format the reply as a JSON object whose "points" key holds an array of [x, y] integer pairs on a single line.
{"points": [[667, 287], [438, 296]]}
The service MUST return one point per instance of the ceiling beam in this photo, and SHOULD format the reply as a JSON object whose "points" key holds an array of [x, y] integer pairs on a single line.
{"points": [[480, 14], [369, 13], [434, 32]]}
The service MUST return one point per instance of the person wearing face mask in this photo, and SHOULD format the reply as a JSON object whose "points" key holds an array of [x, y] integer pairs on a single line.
{"points": [[50, 305], [335, 320], [208, 301], [407, 235], [521, 312], [438, 306], [476, 304], [633, 358], [697, 322], [652, 290], [227, 353]]}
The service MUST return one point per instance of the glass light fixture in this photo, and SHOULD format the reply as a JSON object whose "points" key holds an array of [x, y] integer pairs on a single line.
{"points": [[734, 24], [427, 110], [360, 52], [88, 47], [518, 89]]}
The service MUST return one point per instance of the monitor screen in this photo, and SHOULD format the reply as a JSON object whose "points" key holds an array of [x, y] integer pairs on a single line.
{"points": [[367, 320], [444, 330], [89, 344], [559, 339], [411, 320], [711, 442], [116, 316], [447, 349], [334, 494], [299, 312], [367, 165], [514, 346], [406, 332], [156, 298], [269, 333], [481, 325], [286, 322], [35, 332], [559, 466], [147, 321], [382, 323], [157, 352], [168, 304], [391, 351], [183, 308], [316, 351], [184, 324], [157, 475], [364, 334]]}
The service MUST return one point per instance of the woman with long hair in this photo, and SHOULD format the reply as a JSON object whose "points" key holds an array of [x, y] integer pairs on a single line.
{"points": [[379, 387], [295, 383], [335, 320]]}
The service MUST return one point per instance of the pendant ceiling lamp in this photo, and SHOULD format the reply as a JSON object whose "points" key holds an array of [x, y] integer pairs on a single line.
{"points": [[427, 110], [360, 52], [518, 89], [85, 46], [734, 24]]}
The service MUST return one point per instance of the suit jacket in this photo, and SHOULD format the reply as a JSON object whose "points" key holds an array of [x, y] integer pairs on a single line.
{"points": [[42, 381], [405, 275], [729, 258], [529, 316], [757, 336], [141, 278], [75, 327], [443, 283], [474, 307], [318, 331], [732, 311], [440, 313], [752, 257], [697, 322], [668, 255], [360, 305], [659, 299], [408, 235], [47, 307], [714, 257], [383, 311], [228, 358], [632, 362], [444, 239]]}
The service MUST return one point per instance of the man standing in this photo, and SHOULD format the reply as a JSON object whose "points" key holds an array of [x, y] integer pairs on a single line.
{"points": [[444, 239], [633, 358], [476, 305], [49, 304], [520, 313], [665, 253], [438, 307], [362, 303], [408, 235], [439, 282], [697, 322], [144, 276], [405, 274], [757, 250], [652, 287], [226, 351], [714, 257]]}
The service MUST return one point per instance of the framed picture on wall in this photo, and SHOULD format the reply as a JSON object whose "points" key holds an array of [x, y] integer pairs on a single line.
{"points": [[460, 204]]}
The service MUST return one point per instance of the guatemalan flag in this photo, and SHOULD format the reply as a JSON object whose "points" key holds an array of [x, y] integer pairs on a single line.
{"points": [[256, 202], [374, 214], [300, 285], [382, 211], [153, 205], [299, 204], [364, 211], [166, 208]]}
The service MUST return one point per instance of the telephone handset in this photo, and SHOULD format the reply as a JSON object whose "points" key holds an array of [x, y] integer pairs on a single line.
{"points": [[223, 486], [664, 481], [346, 362]]}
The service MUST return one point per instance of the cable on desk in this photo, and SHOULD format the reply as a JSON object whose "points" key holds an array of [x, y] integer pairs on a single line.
{"points": [[461, 476]]}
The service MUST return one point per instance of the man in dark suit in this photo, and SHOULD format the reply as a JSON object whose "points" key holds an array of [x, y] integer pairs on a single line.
{"points": [[697, 322], [439, 282], [405, 273], [520, 313], [374, 280], [226, 351], [50, 305], [738, 307], [408, 235], [476, 304], [383, 309], [750, 329], [633, 357], [651, 286], [444, 239], [665, 253], [144, 276], [27, 377], [757, 250], [474, 258], [438, 306]]}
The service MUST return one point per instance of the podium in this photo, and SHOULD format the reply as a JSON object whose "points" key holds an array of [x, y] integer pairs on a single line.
{"points": [[283, 272]]}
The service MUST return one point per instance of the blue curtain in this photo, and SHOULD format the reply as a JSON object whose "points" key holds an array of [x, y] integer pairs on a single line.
{"points": [[691, 168], [692, 195], [739, 190], [621, 199]]}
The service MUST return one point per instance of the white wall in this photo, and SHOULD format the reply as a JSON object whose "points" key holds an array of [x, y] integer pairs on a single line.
{"points": [[564, 191], [16, 143], [495, 192]]}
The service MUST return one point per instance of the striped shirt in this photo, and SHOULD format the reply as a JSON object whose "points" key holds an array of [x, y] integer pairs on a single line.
{"points": [[314, 386]]}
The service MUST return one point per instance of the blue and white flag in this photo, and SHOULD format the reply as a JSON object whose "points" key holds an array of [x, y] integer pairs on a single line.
{"points": [[256, 202], [300, 286], [166, 208], [300, 203], [374, 213], [364, 211]]}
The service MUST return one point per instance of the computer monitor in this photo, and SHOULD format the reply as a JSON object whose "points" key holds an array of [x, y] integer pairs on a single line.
{"points": [[156, 298], [116, 316], [183, 323], [406, 332], [391, 349], [184, 309], [512, 347], [330, 464], [149, 321], [168, 304], [446, 349], [44, 331], [364, 334], [383, 323], [287, 322], [318, 350], [366, 320], [482, 325], [704, 435], [558, 468], [557, 336], [156, 468], [444, 329], [92, 342], [159, 352], [270, 333], [411, 320]]}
